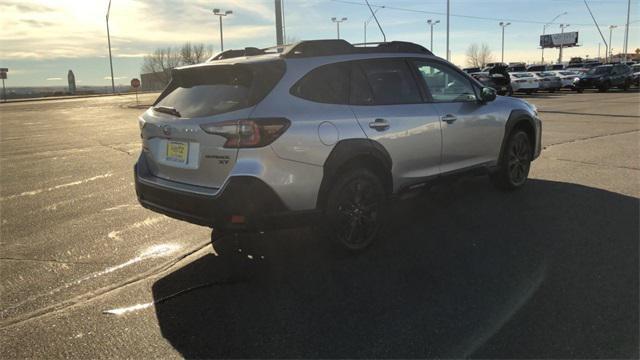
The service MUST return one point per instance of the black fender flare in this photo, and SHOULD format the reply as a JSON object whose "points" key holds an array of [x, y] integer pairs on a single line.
{"points": [[515, 118], [345, 151]]}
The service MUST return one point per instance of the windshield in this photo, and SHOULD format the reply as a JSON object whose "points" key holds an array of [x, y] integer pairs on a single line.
{"points": [[211, 90], [600, 70], [567, 73], [546, 74]]}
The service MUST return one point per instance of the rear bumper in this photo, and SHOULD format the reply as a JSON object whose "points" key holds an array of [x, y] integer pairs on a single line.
{"points": [[242, 197]]}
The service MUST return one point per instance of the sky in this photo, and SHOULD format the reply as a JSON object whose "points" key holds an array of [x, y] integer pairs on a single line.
{"points": [[42, 39]]}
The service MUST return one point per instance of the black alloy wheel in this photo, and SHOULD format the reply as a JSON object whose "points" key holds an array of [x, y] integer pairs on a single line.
{"points": [[355, 209]]}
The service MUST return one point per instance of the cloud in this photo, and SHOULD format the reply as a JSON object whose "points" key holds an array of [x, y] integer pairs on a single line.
{"points": [[115, 77], [54, 79]]}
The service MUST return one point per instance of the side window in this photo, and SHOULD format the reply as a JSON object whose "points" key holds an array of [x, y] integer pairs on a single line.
{"points": [[361, 93], [390, 82], [327, 84], [445, 84]]}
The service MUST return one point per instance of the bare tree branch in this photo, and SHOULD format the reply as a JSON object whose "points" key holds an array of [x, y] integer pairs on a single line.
{"points": [[479, 56]]}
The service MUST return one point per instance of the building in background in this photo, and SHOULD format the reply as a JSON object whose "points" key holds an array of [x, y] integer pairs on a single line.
{"points": [[72, 82]]}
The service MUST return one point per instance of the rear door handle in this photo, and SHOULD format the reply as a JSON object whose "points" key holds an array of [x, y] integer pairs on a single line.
{"points": [[448, 118], [379, 124]]}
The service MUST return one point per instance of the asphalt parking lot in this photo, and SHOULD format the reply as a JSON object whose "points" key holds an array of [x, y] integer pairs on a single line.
{"points": [[464, 270]]}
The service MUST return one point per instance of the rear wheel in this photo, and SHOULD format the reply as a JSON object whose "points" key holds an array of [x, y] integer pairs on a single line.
{"points": [[355, 209], [580, 91], [513, 167]]}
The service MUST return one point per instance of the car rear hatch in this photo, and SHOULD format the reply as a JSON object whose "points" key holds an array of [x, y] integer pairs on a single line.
{"points": [[176, 146]]}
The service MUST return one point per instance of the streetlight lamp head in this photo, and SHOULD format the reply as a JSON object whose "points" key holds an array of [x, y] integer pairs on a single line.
{"points": [[344, 19], [507, 24], [228, 12], [333, 19], [501, 23], [437, 21], [216, 11]]}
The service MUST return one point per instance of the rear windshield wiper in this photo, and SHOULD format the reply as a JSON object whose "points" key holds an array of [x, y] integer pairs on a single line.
{"points": [[167, 110]]}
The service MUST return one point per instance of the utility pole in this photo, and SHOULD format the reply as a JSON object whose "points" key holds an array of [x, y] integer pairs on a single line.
{"points": [[366, 23], [432, 24], [503, 25], [335, 20], [220, 14], [544, 28], [599, 58], [562, 27], [611, 27], [626, 32], [448, 52], [113, 85], [280, 40]]}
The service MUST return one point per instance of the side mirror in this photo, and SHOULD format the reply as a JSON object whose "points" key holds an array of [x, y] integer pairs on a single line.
{"points": [[487, 94]]}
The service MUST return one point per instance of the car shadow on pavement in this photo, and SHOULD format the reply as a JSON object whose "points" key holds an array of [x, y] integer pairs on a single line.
{"points": [[550, 271]]}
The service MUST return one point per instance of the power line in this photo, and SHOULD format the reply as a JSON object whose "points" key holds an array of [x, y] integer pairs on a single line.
{"points": [[454, 15]]}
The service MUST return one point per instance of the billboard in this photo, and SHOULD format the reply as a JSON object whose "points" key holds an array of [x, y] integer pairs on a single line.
{"points": [[567, 39]]}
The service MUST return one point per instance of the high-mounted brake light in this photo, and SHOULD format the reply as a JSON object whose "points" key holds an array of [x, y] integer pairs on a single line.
{"points": [[250, 133]]}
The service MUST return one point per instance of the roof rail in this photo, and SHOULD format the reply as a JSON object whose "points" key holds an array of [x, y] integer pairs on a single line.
{"points": [[311, 48]]}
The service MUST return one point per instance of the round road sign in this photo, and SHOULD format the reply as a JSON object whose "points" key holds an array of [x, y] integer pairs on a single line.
{"points": [[135, 83]]}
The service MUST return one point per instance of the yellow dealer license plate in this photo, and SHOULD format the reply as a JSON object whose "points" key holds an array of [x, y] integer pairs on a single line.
{"points": [[177, 151]]}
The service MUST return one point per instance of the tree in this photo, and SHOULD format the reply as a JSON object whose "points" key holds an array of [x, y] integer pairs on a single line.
{"points": [[162, 60], [479, 56], [160, 64], [194, 54]]}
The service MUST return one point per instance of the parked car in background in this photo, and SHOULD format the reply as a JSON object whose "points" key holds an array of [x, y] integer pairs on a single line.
{"points": [[517, 67], [536, 68], [548, 81], [635, 69], [524, 82], [557, 67], [604, 77], [575, 66], [472, 70], [495, 81], [567, 77]]}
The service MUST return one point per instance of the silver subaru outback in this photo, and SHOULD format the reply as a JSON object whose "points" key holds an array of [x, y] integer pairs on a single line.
{"points": [[323, 131]]}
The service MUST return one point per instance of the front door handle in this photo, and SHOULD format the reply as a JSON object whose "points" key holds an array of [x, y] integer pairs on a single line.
{"points": [[448, 118], [379, 124]]}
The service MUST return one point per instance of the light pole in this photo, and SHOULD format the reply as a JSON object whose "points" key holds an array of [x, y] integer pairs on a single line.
{"points": [[625, 46], [335, 20], [366, 23], [432, 24], [503, 25], [562, 27], [220, 14], [611, 27], [448, 52], [113, 85], [544, 28]]}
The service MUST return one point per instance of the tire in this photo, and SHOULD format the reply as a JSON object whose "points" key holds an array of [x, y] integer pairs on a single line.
{"points": [[604, 88], [552, 90], [514, 165], [510, 91], [626, 86], [528, 92], [355, 209], [580, 91]]}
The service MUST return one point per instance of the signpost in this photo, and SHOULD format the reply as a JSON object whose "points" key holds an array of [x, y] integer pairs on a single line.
{"points": [[135, 83], [3, 76]]}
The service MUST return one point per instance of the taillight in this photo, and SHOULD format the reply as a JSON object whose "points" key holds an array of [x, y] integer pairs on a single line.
{"points": [[250, 133]]}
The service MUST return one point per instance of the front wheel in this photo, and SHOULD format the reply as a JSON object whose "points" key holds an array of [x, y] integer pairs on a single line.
{"points": [[355, 209], [513, 166], [604, 88]]}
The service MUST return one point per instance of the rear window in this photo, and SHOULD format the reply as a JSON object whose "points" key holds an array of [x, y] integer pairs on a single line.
{"points": [[211, 90], [327, 84]]}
